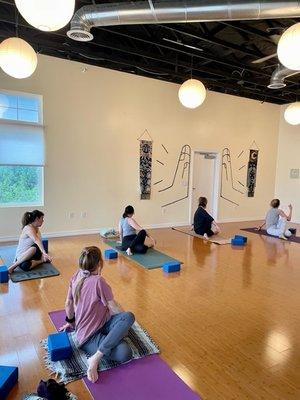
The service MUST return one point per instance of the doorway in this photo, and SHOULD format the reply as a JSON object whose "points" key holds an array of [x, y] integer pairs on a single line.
{"points": [[205, 182]]}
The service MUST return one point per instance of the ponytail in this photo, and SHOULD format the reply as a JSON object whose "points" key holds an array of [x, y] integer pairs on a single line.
{"points": [[129, 210], [89, 260], [30, 217]]}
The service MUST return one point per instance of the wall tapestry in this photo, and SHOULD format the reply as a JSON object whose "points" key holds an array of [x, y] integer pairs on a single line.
{"points": [[252, 172], [145, 168]]}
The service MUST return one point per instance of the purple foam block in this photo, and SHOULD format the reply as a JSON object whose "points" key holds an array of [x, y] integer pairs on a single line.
{"points": [[145, 379]]}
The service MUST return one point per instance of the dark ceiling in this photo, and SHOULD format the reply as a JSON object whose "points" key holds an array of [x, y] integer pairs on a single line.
{"points": [[220, 54]]}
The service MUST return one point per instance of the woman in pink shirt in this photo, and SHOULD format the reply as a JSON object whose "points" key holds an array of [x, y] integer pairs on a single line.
{"points": [[100, 324]]}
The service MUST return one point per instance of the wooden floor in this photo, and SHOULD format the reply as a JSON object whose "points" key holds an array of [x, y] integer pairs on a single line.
{"points": [[228, 324]]}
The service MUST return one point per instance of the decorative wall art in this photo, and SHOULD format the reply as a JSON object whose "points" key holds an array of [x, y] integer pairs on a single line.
{"points": [[145, 166], [252, 172], [227, 175], [182, 171]]}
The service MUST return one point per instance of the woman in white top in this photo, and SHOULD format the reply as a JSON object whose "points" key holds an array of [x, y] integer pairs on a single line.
{"points": [[133, 242], [30, 251], [276, 220]]}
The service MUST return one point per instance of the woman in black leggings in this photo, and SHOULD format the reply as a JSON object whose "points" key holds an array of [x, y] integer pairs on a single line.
{"points": [[133, 242]]}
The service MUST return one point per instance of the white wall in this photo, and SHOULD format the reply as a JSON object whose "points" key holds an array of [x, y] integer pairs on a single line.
{"points": [[92, 123], [287, 189]]}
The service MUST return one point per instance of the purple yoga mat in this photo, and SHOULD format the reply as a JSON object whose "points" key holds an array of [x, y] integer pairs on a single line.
{"points": [[294, 239], [148, 378]]}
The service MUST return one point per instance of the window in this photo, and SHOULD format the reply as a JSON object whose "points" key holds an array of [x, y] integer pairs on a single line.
{"points": [[21, 150]]}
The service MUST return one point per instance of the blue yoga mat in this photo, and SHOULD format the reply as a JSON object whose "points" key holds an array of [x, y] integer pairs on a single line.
{"points": [[45, 270], [152, 259]]}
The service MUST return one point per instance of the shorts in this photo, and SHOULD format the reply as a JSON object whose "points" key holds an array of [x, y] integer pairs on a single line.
{"points": [[26, 265]]}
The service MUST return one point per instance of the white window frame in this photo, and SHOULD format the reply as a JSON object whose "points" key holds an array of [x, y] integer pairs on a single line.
{"points": [[26, 123]]}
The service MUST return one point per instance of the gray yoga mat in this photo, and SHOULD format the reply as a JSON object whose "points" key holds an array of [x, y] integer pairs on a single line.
{"points": [[294, 239], [7, 253], [152, 259]]}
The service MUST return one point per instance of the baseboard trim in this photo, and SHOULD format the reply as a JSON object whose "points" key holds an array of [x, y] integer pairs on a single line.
{"points": [[93, 231], [240, 219]]}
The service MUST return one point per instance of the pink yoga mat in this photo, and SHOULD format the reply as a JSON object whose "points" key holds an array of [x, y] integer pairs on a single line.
{"points": [[148, 378]]}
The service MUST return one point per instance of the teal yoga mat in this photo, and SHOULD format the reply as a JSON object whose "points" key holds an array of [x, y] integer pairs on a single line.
{"points": [[45, 270], [152, 259]]}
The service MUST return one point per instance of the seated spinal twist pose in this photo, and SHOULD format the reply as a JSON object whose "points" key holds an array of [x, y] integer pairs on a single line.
{"points": [[100, 325], [30, 251], [276, 220], [204, 223], [131, 241]]}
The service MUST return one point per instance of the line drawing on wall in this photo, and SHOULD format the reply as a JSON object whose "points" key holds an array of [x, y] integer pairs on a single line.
{"points": [[185, 159], [226, 169]]}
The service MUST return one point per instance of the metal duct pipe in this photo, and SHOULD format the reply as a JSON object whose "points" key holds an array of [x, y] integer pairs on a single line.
{"points": [[145, 12], [279, 75]]}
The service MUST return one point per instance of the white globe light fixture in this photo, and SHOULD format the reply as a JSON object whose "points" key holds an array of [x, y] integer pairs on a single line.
{"points": [[292, 113], [289, 48], [17, 58], [46, 15], [192, 93]]}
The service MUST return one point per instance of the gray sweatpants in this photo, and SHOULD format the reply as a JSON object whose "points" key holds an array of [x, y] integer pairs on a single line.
{"points": [[108, 339]]}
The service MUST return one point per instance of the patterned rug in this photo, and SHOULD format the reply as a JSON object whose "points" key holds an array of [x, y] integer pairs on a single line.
{"points": [[76, 367]]}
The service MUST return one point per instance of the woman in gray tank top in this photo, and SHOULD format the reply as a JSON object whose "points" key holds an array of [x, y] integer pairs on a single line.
{"points": [[133, 242], [276, 221], [30, 251]]}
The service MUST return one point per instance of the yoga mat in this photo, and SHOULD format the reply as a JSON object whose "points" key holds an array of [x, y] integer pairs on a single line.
{"points": [[294, 239], [190, 232], [152, 259], [45, 270], [148, 378]]}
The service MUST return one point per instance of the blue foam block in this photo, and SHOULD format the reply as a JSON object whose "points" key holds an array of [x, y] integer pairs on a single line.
{"points": [[59, 346], [110, 254], [45, 244], [8, 379], [244, 238], [171, 266], [237, 242], [3, 274]]}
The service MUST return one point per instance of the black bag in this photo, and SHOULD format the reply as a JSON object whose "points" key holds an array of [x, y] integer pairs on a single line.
{"points": [[52, 390]]}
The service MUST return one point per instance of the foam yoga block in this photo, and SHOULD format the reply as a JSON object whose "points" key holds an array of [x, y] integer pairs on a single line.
{"points": [[59, 346], [3, 274], [45, 244], [244, 238], [110, 254], [172, 266], [237, 242], [8, 379]]}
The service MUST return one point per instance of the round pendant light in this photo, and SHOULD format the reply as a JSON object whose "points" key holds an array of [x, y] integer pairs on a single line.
{"points": [[289, 48], [46, 15], [292, 113], [192, 93], [17, 58]]}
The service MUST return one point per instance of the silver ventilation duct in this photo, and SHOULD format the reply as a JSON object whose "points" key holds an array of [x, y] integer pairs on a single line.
{"points": [[279, 75], [145, 12]]}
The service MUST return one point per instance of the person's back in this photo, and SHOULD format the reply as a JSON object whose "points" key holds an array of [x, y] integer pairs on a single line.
{"points": [[91, 309], [202, 221], [272, 217], [127, 229]]}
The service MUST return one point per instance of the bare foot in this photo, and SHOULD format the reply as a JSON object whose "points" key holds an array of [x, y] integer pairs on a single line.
{"points": [[128, 252], [93, 362], [11, 269]]}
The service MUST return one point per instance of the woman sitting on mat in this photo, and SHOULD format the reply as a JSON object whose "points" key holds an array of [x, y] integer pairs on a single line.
{"points": [[30, 251], [276, 220], [204, 223], [131, 241], [100, 325]]}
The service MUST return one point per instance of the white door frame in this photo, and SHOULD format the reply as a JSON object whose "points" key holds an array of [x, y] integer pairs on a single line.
{"points": [[217, 172]]}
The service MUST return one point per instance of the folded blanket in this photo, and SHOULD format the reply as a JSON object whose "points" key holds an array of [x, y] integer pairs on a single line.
{"points": [[76, 366]]}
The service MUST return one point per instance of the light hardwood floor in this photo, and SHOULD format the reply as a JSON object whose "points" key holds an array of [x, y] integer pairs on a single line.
{"points": [[228, 324]]}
